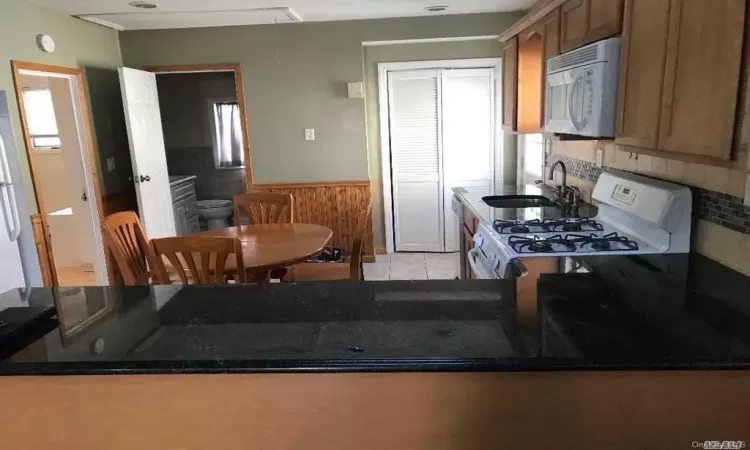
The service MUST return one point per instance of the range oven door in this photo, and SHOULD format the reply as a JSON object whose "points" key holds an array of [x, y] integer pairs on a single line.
{"points": [[480, 266]]}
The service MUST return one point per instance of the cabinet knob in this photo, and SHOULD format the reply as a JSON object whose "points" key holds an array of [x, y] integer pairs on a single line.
{"points": [[145, 178]]}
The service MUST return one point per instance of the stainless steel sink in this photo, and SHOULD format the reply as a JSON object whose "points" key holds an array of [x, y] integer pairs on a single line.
{"points": [[517, 201]]}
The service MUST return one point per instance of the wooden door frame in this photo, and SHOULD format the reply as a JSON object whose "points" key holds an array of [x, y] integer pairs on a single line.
{"points": [[88, 138], [235, 68]]}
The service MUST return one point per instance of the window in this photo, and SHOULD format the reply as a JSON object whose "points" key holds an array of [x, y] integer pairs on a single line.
{"points": [[227, 134], [532, 146], [40, 118]]}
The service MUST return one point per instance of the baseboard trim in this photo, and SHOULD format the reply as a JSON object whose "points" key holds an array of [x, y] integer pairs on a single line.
{"points": [[380, 251]]}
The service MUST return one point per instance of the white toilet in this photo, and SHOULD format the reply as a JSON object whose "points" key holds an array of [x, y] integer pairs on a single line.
{"points": [[216, 213]]}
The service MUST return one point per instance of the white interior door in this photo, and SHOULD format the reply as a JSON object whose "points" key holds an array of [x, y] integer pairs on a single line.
{"points": [[416, 163], [468, 102], [147, 153]]}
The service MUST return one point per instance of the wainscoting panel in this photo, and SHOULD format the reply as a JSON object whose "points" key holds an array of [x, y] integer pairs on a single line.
{"points": [[335, 204]]}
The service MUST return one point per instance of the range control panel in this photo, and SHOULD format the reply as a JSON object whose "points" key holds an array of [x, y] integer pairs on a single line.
{"points": [[625, 194]]}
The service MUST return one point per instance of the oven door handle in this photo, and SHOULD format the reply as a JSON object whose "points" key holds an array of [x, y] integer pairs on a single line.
{"points": [[519, 270], [481, 272]]}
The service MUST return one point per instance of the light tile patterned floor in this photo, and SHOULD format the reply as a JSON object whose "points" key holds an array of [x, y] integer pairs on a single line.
{"points": [[413, 266]]}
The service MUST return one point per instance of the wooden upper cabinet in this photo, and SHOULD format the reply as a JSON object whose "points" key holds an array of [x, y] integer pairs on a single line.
{"points": [[536, 45], [702, 75], [551, 25], [644, 43], [510, 85], [530, 78], [586, 21], [574, 23], [605, 19]]}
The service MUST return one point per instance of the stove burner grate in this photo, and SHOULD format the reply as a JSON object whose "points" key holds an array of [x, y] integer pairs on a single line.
{"points": [[577, 225], [606, 243], [520, 227], [535, 244]]}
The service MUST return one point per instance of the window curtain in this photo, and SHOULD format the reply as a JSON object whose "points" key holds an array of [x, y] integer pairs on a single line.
{"points": [[228, 134]]}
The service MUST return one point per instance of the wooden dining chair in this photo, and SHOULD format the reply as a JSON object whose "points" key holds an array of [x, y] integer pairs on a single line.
{"points": [[264, 208], [124, 237], [351, 270], [197, 259]]}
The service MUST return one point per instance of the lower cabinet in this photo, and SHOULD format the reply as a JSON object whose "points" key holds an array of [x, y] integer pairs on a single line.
{"points": [[185, 208], [467, 238]]}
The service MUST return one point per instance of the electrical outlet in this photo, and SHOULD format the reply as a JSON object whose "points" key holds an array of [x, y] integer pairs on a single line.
{"points": [[310, 134], [110, 164], [747, 191], [600, 158]]}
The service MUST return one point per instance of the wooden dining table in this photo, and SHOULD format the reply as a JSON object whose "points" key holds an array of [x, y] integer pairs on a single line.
{"points": [[275, 246]]}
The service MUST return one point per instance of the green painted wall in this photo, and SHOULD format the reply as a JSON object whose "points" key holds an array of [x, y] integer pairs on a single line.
{"points": [[402, 53], [295, 78], [94, 49]]}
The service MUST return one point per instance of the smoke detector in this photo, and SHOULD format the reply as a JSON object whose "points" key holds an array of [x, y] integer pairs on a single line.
{"points": [[142, 5], [436, 8]]}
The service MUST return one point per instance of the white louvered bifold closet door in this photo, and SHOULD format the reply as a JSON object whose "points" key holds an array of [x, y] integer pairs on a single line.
{"points": [[416, 161], [468, 139]]}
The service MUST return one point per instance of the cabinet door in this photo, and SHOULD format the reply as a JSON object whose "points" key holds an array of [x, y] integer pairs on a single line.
{"points": [[510, 85], [180, 218], [644, 46], [467, 274], [587, 21], [530, 77], [551, 25], [701, 79], [574, 23], [605, 19], [551, 49]]}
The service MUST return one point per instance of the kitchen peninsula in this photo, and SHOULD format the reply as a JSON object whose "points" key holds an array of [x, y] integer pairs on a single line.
{"points": [[418, 365]]}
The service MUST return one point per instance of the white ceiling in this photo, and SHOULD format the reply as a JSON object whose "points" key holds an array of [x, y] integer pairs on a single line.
{"points": [[204, 13]]}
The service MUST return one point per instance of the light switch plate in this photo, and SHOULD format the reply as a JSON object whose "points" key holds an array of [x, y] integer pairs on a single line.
{"points": [[747, 190], [110, 164], [310, 134], [600, 158]]}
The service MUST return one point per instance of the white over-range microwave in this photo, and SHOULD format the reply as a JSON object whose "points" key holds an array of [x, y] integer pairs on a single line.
{"points": [[581, 97]]}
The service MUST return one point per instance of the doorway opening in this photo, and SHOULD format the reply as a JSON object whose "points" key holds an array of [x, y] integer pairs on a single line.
{"points": [[438, 132], [59, 145], [203, 139], [197, 156]]}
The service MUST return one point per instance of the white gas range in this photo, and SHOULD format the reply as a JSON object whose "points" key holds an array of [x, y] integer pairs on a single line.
{"points": [[637, 216]]}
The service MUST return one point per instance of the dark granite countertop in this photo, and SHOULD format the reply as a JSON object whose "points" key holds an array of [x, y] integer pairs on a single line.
{"points": [[629, 313], [484, 212], [673, 311]]}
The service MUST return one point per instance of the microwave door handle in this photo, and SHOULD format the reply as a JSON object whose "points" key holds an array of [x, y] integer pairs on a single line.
{"points": [[11, 210]]}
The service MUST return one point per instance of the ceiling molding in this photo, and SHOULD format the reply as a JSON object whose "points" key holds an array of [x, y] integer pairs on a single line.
{"points": [[102, 22], [428, 41], [149, 20]]}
